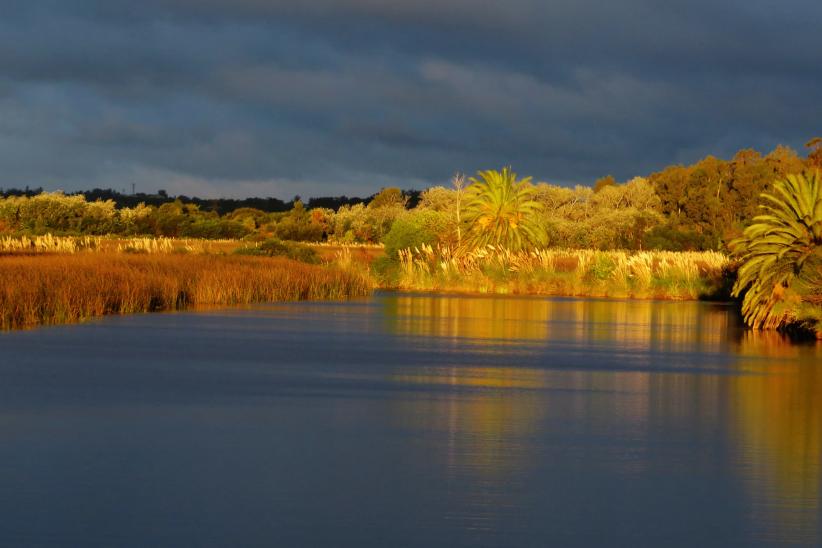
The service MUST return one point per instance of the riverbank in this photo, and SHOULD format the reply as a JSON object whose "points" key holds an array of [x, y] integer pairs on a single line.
{"points": [[657, 275], [562, 272], [66, 288], [49, 280]]}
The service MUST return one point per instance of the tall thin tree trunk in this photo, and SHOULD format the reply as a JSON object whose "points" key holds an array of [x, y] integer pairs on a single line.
{"points": [[458, 182]]}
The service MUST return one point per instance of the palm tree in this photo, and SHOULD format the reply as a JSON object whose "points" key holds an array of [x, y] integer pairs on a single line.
{"points": [[781, 251], [499, 210]]}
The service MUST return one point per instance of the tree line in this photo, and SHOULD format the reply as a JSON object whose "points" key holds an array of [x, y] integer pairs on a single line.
{"points": [[700, 206]]}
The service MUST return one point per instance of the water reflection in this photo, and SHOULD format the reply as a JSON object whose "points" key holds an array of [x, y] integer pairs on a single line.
{"points": [[483, 456], [412, 420], [778, 421], [756, 389], [668, 326]]}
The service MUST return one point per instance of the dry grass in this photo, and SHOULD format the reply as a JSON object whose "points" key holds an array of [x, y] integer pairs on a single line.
{"points": [[569, 272], [25, 245], [53, 289], [48, 244], [363, 254], [170, 245]]}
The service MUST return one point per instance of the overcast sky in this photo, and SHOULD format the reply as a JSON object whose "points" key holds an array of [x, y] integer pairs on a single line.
{"points": [[329, 97]]}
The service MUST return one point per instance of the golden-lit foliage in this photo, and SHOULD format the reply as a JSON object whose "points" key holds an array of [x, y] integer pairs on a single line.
{"points": [[784, 244], [615, 217], [490, 269], [438, 198], [462, 238], [48, 244], [168, 245], [499, 210], [712, 199], [361, 224], [66, 288], [698, 206], [55, 212]]}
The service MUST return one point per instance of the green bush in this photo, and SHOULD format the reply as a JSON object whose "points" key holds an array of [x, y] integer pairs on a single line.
{"points": [[249, 216], [277, 248], [668, 238], [602, 267], [213, 229], [386, 271], [415, 229], [362, 224], [298, 230]]}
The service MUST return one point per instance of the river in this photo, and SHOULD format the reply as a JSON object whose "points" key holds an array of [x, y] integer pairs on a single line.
{"points": [[412, 420]]}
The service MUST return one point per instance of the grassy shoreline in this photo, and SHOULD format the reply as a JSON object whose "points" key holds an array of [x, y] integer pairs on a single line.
{"points": [[67, 288], [53, 280], [563, 272]]}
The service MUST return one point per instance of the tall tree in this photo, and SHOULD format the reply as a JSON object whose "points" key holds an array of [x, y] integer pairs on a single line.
{"points": [[670, 185], [783, 161], [750, 176], [814, 153], [604, 182], [388, 197]]}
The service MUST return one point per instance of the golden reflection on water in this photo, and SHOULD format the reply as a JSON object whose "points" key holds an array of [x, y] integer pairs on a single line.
{"points": [[478, 318], [666, 326], [778, 419], [768, 397], [477, 377]]}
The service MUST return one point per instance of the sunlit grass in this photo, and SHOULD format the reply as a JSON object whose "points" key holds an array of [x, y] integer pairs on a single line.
{"points": [[62, 288], [48, 243], [570, 272]]}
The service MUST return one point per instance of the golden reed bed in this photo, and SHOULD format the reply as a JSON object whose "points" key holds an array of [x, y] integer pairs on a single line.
{"points": [[566, 272], [53, 289]]}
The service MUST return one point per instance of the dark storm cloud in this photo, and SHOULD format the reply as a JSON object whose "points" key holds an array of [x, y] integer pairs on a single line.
{"points": [[344, 96]]}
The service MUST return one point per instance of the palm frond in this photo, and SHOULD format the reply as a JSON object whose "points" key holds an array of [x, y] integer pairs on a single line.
{"points": [[776, 249], [499, 210]]}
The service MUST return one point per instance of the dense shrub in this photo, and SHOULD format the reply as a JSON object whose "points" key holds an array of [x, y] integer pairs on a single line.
{"points": [[668, 238], [213, 229], [277, 248], [249, 217], [415, 229], [297, 225], [56, 212], [362, 224], [297, 230]]}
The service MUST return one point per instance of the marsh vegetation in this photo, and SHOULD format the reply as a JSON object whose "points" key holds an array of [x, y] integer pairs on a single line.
{"points": [[64, 288], [566, 272], [680, 233]]}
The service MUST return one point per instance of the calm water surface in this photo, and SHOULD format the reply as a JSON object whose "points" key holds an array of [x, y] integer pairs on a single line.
{"points": [[412, 420]]}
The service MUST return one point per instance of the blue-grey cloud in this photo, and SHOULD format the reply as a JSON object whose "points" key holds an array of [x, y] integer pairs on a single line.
{"points": [[345, 96]]}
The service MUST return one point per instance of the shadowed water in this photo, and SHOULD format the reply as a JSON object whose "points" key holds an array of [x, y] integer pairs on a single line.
{"points": [[412, 420]]}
